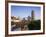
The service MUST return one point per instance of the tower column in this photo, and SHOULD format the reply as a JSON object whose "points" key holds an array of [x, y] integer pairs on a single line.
{"points": [[32, 15]]}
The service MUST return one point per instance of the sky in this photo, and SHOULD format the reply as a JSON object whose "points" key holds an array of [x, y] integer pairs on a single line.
{"points": [[25, 11]]}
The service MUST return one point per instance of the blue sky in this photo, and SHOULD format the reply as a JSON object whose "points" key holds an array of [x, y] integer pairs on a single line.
{"points": [[25, 11]]}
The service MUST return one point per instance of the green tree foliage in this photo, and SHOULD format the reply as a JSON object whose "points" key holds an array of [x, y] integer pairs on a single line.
{"points": [[35, 25]]}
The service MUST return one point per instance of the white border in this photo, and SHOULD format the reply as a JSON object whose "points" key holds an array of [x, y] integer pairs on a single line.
{"points": [[23, 32]]}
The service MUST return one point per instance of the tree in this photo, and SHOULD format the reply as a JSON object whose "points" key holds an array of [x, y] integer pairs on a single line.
{"points": [[35, 26]]}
